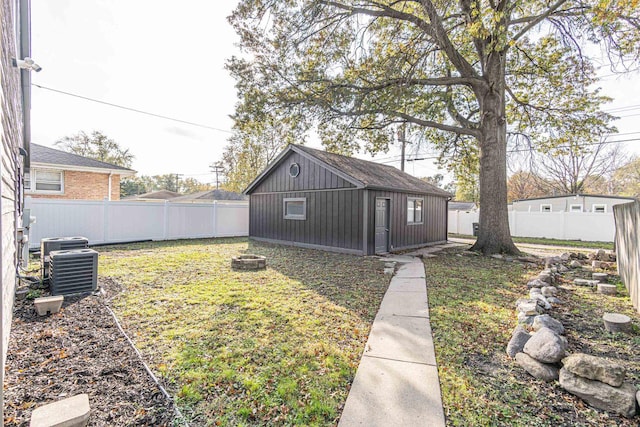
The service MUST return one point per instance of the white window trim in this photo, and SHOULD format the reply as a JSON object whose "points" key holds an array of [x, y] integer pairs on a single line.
{"points": [[546, 205], [575, 206], [32, 182], [414, 210], [302, 217], [599, 205]]}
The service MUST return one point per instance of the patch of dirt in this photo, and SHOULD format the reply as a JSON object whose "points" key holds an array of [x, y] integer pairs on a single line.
{"points": [[79, 350]]}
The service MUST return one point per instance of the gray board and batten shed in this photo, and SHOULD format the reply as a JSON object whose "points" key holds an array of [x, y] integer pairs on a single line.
{"points": [[315, 199]]}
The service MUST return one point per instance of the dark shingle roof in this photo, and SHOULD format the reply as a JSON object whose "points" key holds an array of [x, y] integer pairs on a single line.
{"points": [[42, 154], [154, 195], [461, 206], [374, 175], [210, 195]]}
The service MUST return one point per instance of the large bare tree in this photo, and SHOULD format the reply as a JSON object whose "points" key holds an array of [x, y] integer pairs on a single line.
{"points": [[467, 72]]}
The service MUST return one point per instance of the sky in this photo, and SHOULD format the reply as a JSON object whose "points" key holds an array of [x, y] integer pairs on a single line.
{"points": [[168, 58]]}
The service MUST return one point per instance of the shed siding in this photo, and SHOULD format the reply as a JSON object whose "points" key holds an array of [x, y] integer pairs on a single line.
{"points": [[12, 136], [433, 228], [312, 177], [325, 226]]}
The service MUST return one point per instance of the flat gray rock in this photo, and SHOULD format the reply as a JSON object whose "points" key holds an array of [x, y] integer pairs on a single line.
{"points": [[536, 283], [546, 321], [549, 291], [595, 368], [585, 282], [546, 346], [620, 400], [539, 370]]}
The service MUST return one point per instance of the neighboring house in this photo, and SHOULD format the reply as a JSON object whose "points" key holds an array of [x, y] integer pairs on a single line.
{"points": [[15, 99], [153, 196], [462, 206], [56, 174], [315, 199], [209, 196], [570, 203]]}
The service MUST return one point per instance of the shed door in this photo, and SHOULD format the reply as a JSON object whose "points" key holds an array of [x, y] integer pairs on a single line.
{"points": [[382, 225]]}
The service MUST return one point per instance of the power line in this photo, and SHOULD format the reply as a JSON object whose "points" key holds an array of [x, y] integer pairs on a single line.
{"points": [[135, 110]]}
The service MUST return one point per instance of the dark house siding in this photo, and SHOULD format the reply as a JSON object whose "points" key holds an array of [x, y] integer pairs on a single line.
{"points": [[402, 235], [334, 219], [312, 177]]}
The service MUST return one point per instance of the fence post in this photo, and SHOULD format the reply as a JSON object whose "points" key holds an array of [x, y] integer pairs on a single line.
{"points": [[165, 222], [215, 218], [105, 222]]}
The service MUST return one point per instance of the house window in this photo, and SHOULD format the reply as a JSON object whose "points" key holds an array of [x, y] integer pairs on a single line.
{"points": [[414, 210], [295, 208], [545, 208], [599, 208], [44, 181], [575, 208], [294, 170]]}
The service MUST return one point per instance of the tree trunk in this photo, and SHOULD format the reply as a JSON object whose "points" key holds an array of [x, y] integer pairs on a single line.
{"points": [[494, 235]]}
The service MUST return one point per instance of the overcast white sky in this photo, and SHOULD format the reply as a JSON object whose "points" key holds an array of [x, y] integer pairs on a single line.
{"points": [[167, 58]]}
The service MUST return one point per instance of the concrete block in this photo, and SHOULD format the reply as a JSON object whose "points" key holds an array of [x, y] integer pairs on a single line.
{"points": [[603, 288], [70, 412], [45, 305]]}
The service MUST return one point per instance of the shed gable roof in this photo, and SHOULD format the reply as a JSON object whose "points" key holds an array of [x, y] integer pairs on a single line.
{"points": [[361, 173], [51, 156]]}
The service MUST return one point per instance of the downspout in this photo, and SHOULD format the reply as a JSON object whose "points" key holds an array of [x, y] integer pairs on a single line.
{"points": [[446, 218]]}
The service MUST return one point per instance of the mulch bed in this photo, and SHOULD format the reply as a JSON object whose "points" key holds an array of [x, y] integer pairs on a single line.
{"points": [[79, 350]]}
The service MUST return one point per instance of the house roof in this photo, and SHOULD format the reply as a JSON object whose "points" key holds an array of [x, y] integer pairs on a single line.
{"points": [[604, 196], [461, 206], [361, 173], [204, 196], [154, 195], [62, 159]]}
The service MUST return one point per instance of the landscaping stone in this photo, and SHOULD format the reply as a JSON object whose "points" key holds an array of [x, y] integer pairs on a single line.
{"points": [[601, 255], [389, 264], [549, 291], [562, 268], [45, 305], [529, 307], [595, 368], [542, 301], [585, 282], [533, 292], [575, 264], [554, 301], [600, 277], [539, 370], [615, 322], [565, 256], [525, 319], [527, 259], [249, 262], [389, 270], [620, 400], [536, 283], [518, 339], [606, 289], [69, 412], [546, 321], [545, 277], [596, 264], [546, 346], [549, 261]]}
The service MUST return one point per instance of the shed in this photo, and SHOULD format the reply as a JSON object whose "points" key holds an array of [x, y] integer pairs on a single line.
{"points": [[315, 199]]}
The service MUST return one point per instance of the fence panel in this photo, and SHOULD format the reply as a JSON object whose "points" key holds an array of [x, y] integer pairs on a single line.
{"points": [[585, 226], [628, 248], [122, 221]]}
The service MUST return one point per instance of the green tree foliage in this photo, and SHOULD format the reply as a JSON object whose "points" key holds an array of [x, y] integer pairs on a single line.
{"points": [[145, 184], [466, 72], [96, 146], [626, 179]]}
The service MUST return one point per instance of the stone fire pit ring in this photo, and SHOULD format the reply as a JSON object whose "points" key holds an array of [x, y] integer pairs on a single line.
{"points": [[249, 262]]}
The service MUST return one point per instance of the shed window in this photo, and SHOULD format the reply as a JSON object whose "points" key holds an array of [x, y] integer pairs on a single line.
{"points": [[295, 208], [414, 210], [44, 181], [575, 208], [545, 208], [599, 208]]}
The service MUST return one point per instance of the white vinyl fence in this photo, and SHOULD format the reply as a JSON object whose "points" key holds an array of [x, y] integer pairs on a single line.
{"points": [[122, 221], [586, 226]]}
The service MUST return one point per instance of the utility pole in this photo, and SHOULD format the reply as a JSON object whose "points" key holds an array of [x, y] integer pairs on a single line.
{"points": [[217, 169], [178, 175], [403, 144]]}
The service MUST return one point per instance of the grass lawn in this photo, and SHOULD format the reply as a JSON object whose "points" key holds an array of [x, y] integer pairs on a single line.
{"points": [[472, 313], [552, 242], [277, 346]]}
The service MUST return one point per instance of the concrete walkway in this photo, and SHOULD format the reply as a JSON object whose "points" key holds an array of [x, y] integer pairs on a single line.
{"points": [[397, 380]]}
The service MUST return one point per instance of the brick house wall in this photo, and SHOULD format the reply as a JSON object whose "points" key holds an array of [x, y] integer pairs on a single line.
{"points": [[85, 186]]}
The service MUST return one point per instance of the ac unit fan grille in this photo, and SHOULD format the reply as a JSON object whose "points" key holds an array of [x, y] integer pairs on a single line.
{"points": [[73, 271]]}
